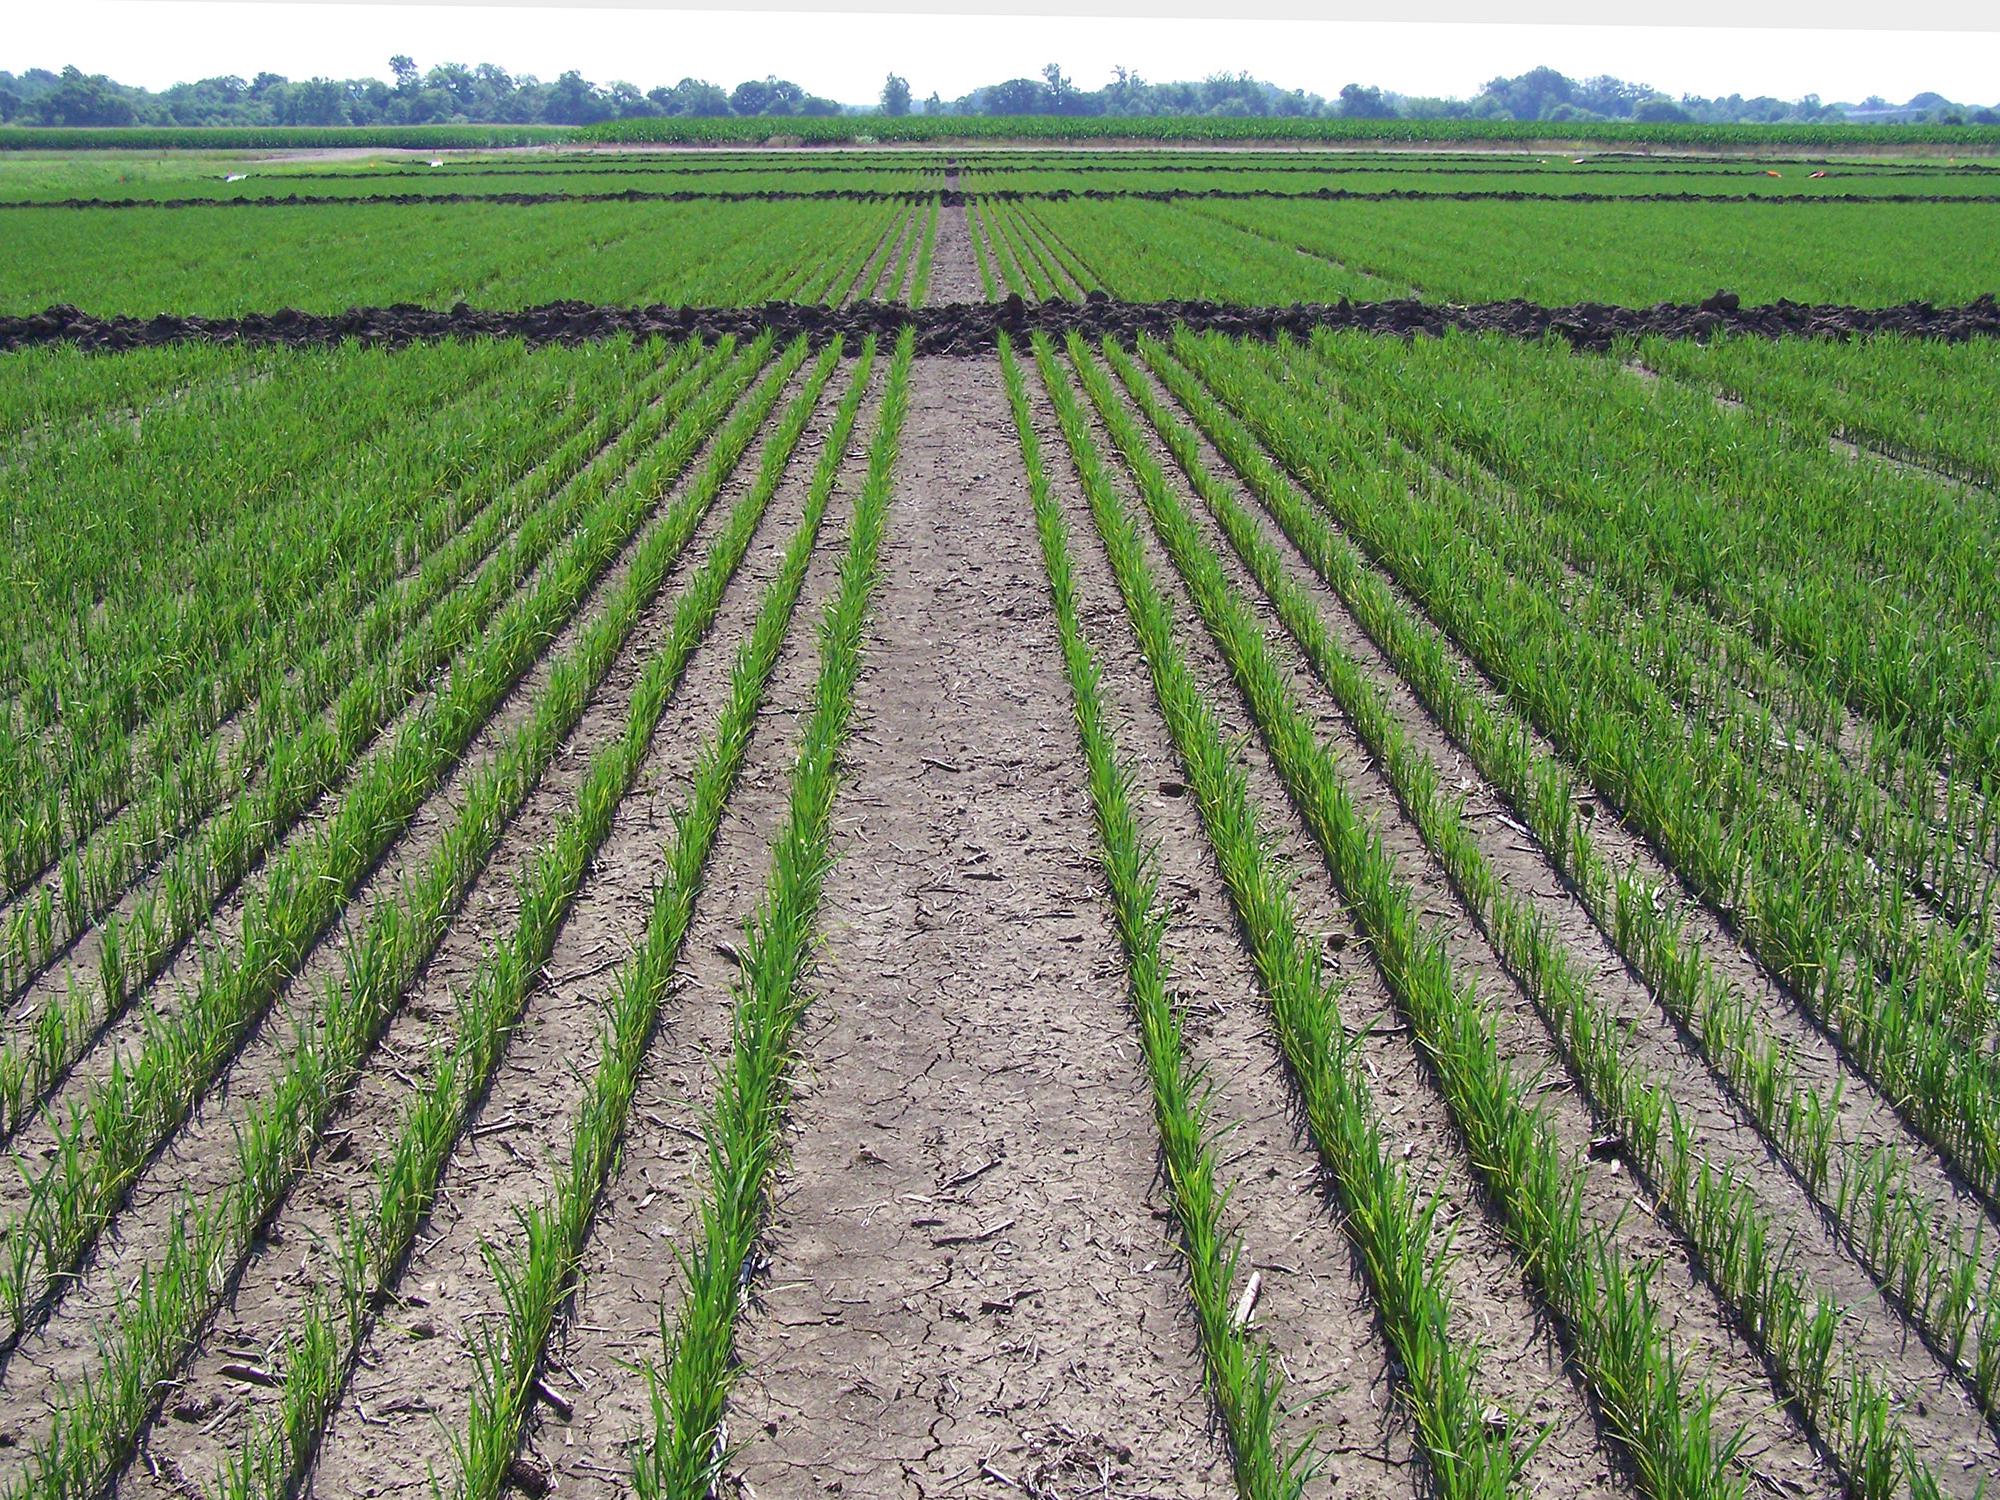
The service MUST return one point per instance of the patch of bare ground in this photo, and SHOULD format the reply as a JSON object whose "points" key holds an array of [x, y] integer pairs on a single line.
{"points": [[648, 1217], [412, 1384], [1944, 1422], [954, 267], [1522, 1366], [969, 1273], [200, 1157]]}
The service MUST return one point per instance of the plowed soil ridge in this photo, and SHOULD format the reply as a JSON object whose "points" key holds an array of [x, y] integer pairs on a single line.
{"points": [[974, 327], [955, 197]]}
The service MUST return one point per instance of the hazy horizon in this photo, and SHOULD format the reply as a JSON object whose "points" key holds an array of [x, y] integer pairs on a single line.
{"points": [[157, 43]]}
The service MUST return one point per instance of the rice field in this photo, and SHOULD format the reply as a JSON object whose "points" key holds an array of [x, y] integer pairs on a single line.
{"points": [[1144, 907]]}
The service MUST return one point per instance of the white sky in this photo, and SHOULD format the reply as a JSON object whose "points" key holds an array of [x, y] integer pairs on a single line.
{"points": [[844, 56]]}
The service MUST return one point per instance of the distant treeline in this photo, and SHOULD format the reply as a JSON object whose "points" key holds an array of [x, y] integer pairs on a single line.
{"points": [[455, 94]]}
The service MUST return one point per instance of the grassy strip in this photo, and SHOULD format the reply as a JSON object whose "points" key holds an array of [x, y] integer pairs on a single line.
{"points": [[1242, 1380], [90, 1434], [1742, 1251], [745, 1126], [317, 753], [107, 1138], [1392, 1231], [332, 1330], [1601, 1298]]}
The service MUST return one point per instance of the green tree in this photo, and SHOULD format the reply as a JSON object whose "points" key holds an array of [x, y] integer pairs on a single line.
{"points": [[896, 96], [1358, 103]]}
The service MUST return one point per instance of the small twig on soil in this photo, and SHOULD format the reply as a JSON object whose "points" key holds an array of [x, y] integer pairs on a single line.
{"points": [[972, 1239], [583, 973], [994, 1474], [560, 1404], [249, 1375], [964, 1177]]}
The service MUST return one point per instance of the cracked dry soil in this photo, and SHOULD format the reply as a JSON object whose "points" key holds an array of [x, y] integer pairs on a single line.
{"points": [[970, 1271]]}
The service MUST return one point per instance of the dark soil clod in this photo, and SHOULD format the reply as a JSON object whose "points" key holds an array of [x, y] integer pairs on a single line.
{"points": [[975, 327]]}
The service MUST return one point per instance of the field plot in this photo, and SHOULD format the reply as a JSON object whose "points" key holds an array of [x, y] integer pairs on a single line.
{"points": [[956, 903]]}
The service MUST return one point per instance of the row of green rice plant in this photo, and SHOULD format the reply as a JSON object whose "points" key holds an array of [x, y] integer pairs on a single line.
{"points": [[1932, 1267], [1396, 1233], [745, 1125], [61, 487], [390, 950], [1039, 276], [826, 278], [1021, 272], [1942, 870], [92, 877], [1836, 823], [534, 1279], [1792, 727], [1151, 251], [1903, 995], [1638, 751], [1243, 1381], [1873, 579], [1935, 1269], [1766, 1289], [101, 645], [1816, 392], [58, 392], [300, 767], [252, 674], [438, 1113], [326, 258], [719, 285], [1556, 253], [282, 1442], [116, 1127], [976, 226], [310, 757], [1661, 1411], [1057, 253], [920, 281], [1912, 399], [906, 253]]}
